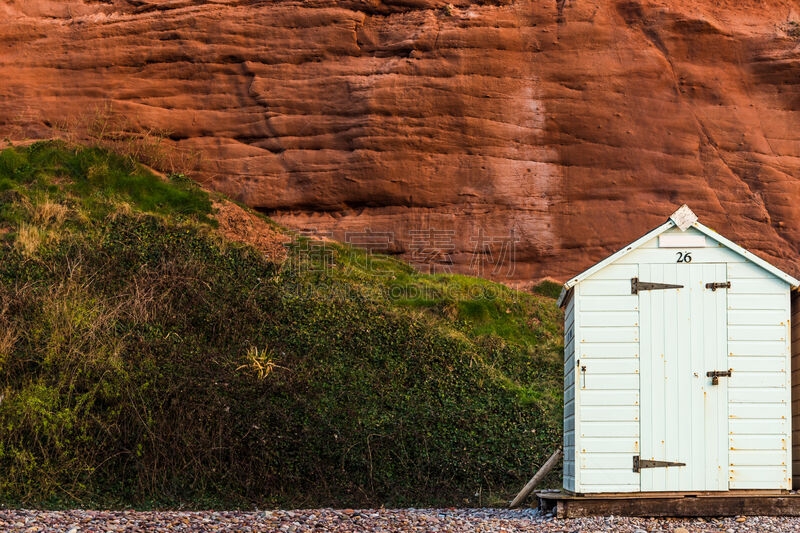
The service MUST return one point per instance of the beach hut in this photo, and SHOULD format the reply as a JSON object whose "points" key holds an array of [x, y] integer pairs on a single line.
{"points": [[677, 367]]}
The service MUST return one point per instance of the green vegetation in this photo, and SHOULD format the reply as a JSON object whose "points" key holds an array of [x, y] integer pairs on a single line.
{"points": [[147, 361], [548, 288], [793, 29]]}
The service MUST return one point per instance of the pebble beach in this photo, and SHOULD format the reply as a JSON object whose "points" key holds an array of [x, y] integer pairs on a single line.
{"points": [[369, 521]]}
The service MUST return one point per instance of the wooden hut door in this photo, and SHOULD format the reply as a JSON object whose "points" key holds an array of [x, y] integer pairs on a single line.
{"points": [[683, 414]]}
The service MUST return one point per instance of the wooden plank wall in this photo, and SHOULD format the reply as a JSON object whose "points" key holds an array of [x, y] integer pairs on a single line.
{"points": [[795, 322], [608, 389], [759, 387], [569, 395]]}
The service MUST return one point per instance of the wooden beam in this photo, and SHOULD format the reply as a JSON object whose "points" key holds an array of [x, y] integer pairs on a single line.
{"points": [[673, 506], [536, 479]]}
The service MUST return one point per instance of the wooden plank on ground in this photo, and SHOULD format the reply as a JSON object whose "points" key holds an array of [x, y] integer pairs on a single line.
{"points": [[673, 506], [537, 478]]}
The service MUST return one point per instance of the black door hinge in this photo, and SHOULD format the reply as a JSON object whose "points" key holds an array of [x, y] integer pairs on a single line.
{"points": [[718, 285], [638, 464], [637, 286]]}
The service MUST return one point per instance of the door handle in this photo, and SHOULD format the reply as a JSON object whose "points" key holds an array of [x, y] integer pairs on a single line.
{"points": [[716, 374]]}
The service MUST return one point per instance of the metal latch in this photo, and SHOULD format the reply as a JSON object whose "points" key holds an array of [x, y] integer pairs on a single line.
{"points": [[638, 464], [637, 286], [716, 374], [718, 285]]}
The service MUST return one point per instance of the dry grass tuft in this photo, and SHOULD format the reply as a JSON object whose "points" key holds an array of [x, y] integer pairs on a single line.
{"points": [[46, 213], [82, 328], [105, 127], [121, 209], [8, 338], [29, 238]]}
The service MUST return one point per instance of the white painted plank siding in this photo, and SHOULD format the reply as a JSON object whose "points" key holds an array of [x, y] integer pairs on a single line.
{"points": [[758, 389], [608, 388], [795, 381], [569, 396]]}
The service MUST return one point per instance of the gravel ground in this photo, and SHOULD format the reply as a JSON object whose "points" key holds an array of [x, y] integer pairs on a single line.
{"points": [[373, 521]]}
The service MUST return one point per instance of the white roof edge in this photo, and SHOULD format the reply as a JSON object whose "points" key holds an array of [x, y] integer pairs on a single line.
{"points": [[613, 257], [661, 229], [775, 271]]}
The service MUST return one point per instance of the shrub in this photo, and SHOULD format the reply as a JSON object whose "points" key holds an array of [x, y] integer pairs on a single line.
{"points": [[149, 362]]}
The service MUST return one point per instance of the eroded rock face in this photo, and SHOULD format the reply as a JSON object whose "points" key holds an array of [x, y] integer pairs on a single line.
{"points": [[447, 130]]}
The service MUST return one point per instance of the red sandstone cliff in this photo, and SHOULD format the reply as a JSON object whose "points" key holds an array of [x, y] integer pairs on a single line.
{"points": [[575, 132]]}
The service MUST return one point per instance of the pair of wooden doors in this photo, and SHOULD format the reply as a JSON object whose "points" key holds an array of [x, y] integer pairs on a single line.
{"points": [[683, 410]]}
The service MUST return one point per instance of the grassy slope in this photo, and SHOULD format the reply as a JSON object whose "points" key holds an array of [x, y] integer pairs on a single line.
{"points": [[147, 361]]}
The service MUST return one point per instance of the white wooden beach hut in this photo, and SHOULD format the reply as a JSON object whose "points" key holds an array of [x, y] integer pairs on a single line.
{"points": [[677, 367]]}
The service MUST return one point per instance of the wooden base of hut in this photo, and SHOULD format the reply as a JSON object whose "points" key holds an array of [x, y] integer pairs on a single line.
{"points": [[730, 503]]}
